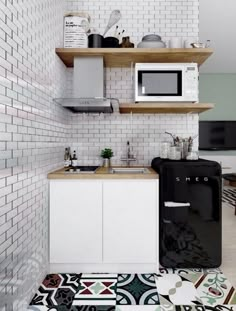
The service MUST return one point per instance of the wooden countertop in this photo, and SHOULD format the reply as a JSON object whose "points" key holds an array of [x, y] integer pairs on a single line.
{"points": [[102, 173]]}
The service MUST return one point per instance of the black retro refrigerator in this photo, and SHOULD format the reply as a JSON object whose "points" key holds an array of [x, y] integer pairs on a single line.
{"points": [[190, 213]]}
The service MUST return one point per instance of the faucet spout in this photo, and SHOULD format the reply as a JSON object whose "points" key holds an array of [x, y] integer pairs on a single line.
{"points": [[128, 150], [129, 157]]}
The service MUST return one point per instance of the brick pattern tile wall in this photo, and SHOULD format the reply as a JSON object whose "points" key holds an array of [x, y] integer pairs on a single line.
{"points": [[91, 133], [33, 131], [168, 18]]}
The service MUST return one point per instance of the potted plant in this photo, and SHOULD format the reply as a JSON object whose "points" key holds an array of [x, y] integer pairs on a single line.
{"points": [[106, 154]]}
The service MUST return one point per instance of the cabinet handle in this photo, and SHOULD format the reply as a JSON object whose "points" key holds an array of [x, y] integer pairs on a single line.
{"points": [[175, 204]]}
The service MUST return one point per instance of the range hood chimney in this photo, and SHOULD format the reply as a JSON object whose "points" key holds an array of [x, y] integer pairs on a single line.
{"points": [[88, 87]]}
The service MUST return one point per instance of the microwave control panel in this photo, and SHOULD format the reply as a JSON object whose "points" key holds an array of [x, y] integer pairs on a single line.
{"points": [[191, 83]]}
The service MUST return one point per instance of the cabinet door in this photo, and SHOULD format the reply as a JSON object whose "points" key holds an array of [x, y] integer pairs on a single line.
{"points": [[130, 221], [75, 221]]}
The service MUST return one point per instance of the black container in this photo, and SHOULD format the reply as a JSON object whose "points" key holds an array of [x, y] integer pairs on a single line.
{"points": [[95, 41], [110, 42]]}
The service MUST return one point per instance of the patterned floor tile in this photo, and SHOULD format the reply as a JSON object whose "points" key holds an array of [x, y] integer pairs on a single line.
{"points": [[93, 308], [145, 308], [73, 308], [221, 308], [37, 308], [232, 300], [45, 308], [215, 289], [136, 289], [57, 289], [176, 289], [188, 271], [96, 289], [229, 196], [190, 308]]}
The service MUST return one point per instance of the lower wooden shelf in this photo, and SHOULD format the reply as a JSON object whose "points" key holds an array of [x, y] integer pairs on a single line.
{"points": [[165, 107]]}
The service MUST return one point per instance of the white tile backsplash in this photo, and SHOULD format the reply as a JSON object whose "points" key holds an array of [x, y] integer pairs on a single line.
{"points": [[91, 133], [33, 132]]}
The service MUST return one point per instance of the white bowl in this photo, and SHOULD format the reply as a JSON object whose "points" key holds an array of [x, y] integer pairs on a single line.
{"points": [[151, 44]]}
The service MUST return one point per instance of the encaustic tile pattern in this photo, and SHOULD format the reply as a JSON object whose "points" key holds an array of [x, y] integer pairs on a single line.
{"points": [[166, 290]]}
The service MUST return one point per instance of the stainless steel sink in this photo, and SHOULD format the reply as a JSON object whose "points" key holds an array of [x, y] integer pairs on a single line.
{"points": [[130, 170]]}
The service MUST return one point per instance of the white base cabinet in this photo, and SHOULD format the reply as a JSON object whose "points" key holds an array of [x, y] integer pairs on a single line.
{"points": [[129, 222], [104, 225], [75, 221]]}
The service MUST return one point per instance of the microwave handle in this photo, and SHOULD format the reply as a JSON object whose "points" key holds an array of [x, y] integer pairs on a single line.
{"points": [[132, 71]]}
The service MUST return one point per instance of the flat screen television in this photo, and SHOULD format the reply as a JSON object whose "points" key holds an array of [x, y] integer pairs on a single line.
{"points": [[217, 135]]}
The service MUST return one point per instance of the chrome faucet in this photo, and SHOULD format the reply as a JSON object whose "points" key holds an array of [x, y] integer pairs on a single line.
{"points": [[129, 157]]}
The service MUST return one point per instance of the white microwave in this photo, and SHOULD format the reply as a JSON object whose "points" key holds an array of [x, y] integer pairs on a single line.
{"points": [[166, 82]]}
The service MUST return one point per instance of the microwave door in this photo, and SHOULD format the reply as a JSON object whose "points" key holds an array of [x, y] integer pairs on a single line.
{"points": [[159, 84]]}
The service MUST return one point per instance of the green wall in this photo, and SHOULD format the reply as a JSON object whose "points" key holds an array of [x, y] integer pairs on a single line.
{"points": [[219, 89]]}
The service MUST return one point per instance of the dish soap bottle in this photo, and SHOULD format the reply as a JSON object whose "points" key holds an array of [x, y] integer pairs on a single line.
{"points": [[67, 158], [74, 160]]}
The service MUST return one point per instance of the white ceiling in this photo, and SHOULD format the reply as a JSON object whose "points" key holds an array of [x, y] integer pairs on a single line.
{"points": [[218, 23]]}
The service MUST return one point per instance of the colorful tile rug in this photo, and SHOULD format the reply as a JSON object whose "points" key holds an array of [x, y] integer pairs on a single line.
{"points": [[167, 290]]}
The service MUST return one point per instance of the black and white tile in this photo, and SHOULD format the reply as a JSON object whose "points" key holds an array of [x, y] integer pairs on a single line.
{"points": [[136, 289], [229, 196]]}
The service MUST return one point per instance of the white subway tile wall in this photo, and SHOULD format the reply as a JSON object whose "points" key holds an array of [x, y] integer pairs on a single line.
{"points": [[168, 18], [33, 131], [91, 133]]}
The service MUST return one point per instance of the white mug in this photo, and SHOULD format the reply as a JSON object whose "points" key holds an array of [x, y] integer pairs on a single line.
{"points": [[176, 43]]}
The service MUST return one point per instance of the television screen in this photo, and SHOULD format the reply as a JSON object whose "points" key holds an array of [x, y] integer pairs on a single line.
{"points": [[217, 135]]}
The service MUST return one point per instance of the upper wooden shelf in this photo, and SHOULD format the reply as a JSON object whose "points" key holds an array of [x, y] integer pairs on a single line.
{"points": [[165, 107], [123, 57]]}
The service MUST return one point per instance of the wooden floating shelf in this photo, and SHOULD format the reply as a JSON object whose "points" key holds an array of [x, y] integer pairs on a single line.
{"points": [[165, 108], [124, 57]]}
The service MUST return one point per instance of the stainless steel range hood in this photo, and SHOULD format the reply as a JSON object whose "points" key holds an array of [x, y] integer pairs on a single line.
{"points": [[88, 87], [88, 105]]}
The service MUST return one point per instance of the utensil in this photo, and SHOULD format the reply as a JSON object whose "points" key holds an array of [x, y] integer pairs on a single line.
{"points": [[115, 33], [114, 18], [175, 138], [185, 144]]}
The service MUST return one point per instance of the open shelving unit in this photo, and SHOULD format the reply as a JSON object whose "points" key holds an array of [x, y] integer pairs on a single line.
{"points": [[124, 57], [165, 107]]}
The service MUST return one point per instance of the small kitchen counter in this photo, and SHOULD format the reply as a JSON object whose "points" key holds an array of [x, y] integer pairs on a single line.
{"points": [[104, 221], [103, 173]]}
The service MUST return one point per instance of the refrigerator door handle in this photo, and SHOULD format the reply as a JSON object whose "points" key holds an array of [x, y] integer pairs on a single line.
{"points": [[176, 204]]}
